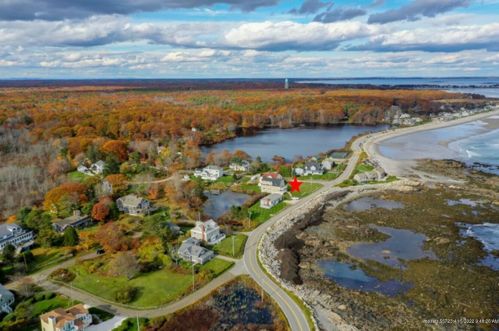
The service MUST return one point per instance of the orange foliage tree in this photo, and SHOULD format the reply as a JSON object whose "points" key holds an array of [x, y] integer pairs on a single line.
{"points": [[62, 199], [102, 209], [117, 148]]}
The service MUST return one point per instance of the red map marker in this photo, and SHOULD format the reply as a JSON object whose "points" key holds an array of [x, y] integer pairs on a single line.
{"points": [[295, 185]]}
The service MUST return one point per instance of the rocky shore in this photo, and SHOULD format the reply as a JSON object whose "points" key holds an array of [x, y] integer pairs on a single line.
{"points": [[278, 253]]}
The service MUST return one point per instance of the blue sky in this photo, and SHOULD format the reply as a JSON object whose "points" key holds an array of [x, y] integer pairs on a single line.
{"points": [[250, 38]]}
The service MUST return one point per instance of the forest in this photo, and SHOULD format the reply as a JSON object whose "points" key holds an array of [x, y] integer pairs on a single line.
{"points": [[46, 132]]}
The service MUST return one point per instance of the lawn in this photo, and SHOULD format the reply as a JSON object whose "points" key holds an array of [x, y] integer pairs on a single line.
{"points": [[45, 257], [225, 246], [47, 305], [77, 176], [154, 288], [249, 188], [363, 167], [260, 215], [306, 189]]}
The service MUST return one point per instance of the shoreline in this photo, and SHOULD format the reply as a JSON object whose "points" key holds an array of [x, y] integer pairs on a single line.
{"points": [[404, 167]]}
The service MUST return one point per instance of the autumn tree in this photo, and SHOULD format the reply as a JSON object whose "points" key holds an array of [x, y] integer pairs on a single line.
{"points": [[101, 211], [112, 238], [58, 167], [117, 148], [63, 199], [118, 183]]}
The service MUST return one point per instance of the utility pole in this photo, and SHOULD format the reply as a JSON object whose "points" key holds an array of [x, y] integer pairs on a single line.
{"points": [[193, 277], [138, 323], [233, 253]]}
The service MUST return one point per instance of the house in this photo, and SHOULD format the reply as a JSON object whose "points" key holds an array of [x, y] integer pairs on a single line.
{"points": [[192, 251], [210, 172], [98, 167], [328, 164], [133, 205], [272, 182], [106, 187], [312, 167], [377, 174], [13, 234], [298, 171], [77, 221], [208, 232], [6, 300], [76, 318], [240, 166], [270, 200]]}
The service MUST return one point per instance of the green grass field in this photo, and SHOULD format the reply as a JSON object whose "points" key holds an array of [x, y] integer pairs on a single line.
{"points": [[306, 189], [76, 176], [260, 215], [363, 168], [225, 246], [154, 288], [45, 257]]}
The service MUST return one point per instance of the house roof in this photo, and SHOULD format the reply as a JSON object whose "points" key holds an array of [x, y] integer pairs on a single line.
{"points": [[71, 219], [7, 230], [63, 316], [273, 178], [191, 247], [273, 197], [100, 163], [213, 167], [131, 200], [5, 292]]}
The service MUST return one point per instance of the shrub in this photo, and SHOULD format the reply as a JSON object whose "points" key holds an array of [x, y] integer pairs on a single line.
{"points": [[125, 294], [62, 275]]}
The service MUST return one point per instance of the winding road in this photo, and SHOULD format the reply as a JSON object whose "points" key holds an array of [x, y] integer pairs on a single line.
{"points": [[249, 264]]}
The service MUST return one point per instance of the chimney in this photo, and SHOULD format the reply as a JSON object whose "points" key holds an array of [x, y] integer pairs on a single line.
{"points": [[76, 213]]}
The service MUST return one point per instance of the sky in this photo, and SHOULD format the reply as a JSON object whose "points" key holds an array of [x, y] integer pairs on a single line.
{"points": [[68, 39]]}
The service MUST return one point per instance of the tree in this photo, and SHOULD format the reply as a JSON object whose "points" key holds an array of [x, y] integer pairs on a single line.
{"points": [[118, 183], [102, 209], [112, 238], [117, 148], [70, 237], [8, 253], [62, 199], [124, 264], [58, 167]]}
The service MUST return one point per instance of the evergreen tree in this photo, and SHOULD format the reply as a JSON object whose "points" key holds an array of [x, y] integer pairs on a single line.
{"points": [[8, 253], [70, 237]]}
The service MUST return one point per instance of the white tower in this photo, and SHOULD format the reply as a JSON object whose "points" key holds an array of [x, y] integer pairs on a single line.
{"points": [[286, 84]]}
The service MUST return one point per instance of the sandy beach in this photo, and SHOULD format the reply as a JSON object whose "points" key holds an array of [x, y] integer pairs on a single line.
{"points": [[403, 168]]}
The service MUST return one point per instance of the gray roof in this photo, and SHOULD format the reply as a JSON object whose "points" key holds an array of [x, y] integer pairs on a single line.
{"points": [[72, 220], [273, 197], [5, 292], [191, 247], [7, 230], [273, 179], [131, 200]]}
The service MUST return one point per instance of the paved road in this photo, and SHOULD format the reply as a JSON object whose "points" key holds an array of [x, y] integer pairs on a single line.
{"points": [[291, 310]]}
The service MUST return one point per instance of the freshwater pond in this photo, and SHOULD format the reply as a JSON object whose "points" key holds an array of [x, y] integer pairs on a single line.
{"points": [[219, 204], [289, 143]]}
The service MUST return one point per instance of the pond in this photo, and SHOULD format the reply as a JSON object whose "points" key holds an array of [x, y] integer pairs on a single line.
{"points": [[289, 143], [354, 278], [488, 235], [402, 244], [219, 204], [366, 203]]}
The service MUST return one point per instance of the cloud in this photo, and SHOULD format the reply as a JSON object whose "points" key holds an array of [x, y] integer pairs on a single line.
{"points": [[64, 9], [287, 35], [339, 14], [310, 7], [416, 9], [436, 39]]}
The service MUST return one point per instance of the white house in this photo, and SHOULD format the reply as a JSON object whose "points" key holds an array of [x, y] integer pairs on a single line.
{"points": [[96, 168], [208, 232], [270, 200], [192, 251], [312, 167], [13, 234], [6, 300], [272, 182], [210, 172], [133, 205], [240, 166], [328, 163], [377, 174]]}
